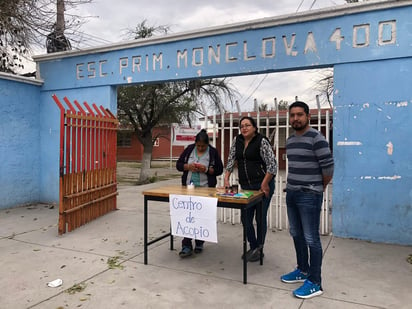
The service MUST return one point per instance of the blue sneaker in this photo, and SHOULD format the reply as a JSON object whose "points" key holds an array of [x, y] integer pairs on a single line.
{"points": [[308, 290], [186, 251], [294, 276]]}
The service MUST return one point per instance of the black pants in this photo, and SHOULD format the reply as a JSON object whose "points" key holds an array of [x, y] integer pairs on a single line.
{"points": [[187, 242]]}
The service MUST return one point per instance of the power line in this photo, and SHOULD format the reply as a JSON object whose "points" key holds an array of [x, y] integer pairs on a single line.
{"points": [[87, 40], [249, 87], [93, 37], [257, 87], [301, 2], [313, 3]]}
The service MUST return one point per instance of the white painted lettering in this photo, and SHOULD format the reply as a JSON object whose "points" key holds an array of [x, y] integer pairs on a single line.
{"points": [[147, 63], [91, 69], [268, 47], [310, 44], [387, 32], [102, 73], [182, 56], [215, 55], [289, 47], [197, 57], [123, 63], [361, 36], [136, 62], [246, 57], [337, 38], [79, 71], [228, 47], [159, 60]]}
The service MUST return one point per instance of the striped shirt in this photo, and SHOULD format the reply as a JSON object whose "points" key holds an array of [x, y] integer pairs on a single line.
{"points": [[309, 159]]}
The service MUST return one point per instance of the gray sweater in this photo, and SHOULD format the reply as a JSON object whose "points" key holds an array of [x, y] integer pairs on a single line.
{"points": [[309, 158]]}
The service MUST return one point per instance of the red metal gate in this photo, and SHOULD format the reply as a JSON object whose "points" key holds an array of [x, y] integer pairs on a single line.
{"points": [[87, 186]]}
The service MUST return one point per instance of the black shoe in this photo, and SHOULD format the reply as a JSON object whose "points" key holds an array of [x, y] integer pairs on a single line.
{"points": [[255, 255], [199, 248], [248, 253]]}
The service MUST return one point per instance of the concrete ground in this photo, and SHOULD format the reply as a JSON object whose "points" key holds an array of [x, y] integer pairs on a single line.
{"points": [[101, 265]]}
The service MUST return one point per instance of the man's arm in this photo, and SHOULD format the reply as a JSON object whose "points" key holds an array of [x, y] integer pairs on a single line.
{"points": [[326, 180]]}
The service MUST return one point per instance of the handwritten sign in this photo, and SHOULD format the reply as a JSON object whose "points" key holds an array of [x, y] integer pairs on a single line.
{"points": [[193, 217]]}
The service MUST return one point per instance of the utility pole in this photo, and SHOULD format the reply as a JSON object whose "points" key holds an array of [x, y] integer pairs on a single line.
{"points": [[56, 41], [60, 18]]}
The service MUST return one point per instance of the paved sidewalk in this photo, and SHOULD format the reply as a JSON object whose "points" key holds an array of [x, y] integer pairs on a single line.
{"points": [[101, 265]]}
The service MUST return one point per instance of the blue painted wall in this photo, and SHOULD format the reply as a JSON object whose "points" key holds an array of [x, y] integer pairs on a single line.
{"points": [[19, 142], [372, 185]]}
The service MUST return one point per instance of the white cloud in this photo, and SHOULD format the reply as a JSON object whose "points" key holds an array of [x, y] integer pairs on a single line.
{"points": [[282, 86], [110, 18]]}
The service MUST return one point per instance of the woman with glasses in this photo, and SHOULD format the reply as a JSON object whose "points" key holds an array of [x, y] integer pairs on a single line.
{"points": [[256, 163]]}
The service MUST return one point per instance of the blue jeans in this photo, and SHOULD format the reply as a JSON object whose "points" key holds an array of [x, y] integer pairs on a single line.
{"points": [[304, 218], [261, 225]]}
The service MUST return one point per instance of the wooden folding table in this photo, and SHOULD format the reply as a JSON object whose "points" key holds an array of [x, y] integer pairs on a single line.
{"points": [[162, 194]]}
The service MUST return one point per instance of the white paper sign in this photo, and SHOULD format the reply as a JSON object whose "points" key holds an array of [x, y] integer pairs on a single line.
{"points": [[193, 217], [184, 135]]}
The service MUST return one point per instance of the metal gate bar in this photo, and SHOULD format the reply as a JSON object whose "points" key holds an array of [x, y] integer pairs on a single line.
{"points": [[87, 182]]}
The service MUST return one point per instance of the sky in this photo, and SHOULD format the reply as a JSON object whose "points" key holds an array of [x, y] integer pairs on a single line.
{"points": [[109, 20]]}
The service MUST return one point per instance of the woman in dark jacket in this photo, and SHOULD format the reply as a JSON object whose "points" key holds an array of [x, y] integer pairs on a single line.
{"points": [[257, 166], [200, 164]]}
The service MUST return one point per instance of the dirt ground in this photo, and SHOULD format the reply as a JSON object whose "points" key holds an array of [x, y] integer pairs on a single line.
{"points": [[128, 172]]}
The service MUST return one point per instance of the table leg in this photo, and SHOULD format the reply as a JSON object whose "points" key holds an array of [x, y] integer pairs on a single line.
{"points": [[171, 239], [242, 214], [261, 230], [145, 230]]}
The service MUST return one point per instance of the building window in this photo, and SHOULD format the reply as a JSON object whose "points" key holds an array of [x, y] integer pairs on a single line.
{"points": [[124, 139]]}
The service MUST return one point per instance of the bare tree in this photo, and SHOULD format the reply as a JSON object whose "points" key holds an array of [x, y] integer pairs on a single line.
{"points": [[143, 31], [263, 107], [325, 86], [283, 105], [26, 23], [143, 107]]}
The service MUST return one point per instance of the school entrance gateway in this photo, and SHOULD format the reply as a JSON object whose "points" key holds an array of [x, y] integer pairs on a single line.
{"points": [[367, 44]]}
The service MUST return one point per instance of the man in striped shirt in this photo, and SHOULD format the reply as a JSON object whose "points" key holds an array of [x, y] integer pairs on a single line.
{"points": [[310, 169]]}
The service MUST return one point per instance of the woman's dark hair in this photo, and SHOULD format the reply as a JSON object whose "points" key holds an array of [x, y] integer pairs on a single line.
{"points": [[252, 121], [300, 104], [202, 137]]}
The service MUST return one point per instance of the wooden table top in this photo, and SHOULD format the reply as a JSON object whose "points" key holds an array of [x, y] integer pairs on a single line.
{"points": [[201, 191]]}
